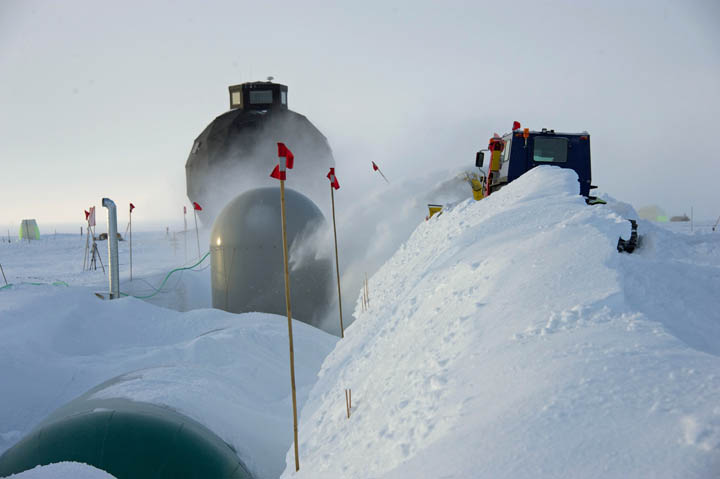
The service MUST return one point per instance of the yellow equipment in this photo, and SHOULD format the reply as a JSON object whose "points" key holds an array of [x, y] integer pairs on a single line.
{"points": [[433, 209], [476, 183]]}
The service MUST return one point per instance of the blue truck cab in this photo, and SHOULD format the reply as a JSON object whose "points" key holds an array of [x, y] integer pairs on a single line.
{"points": [[521, 150]]}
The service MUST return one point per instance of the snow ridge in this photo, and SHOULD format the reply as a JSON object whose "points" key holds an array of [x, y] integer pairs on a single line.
{"points": [[508, 338]]}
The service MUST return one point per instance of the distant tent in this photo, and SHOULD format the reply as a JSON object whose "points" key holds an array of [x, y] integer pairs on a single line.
{"points": [[29, 230], [652, 213]]}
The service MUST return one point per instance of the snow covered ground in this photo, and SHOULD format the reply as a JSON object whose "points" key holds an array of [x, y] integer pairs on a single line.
{"points": [[505, 338], [63, 470], [229, 372], [508, 338]]}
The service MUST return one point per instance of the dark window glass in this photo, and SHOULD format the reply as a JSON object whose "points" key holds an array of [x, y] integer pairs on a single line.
{"points": [[261, 97], [550, 150]]}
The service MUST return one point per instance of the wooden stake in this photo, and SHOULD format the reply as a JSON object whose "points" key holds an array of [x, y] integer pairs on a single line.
{"points": [[367, 289], [337, 263], [347, 403], [289, 318]]}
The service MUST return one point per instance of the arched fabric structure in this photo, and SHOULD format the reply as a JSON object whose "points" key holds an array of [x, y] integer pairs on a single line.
{"points": [[128, 439], [238, 150]]}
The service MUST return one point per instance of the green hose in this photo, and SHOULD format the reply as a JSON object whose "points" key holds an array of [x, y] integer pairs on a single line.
{"points": [[166, 278], [63, 283], [54, 283]]}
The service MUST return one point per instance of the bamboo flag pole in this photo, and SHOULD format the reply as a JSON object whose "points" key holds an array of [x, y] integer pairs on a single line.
{"points": [[333, 186], [289, 317], [286, 160]]}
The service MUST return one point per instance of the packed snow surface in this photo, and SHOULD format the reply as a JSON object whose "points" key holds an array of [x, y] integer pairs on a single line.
{"points": [[230, 372], [508, 338], [63, 470]]}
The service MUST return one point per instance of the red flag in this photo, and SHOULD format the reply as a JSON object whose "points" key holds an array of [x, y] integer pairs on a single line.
{"points": [[278, 174], [87, 215], [333, 179], [284, 151], [376, 168], [197, 207], [516, 125], [184, 210], [132, 207]]}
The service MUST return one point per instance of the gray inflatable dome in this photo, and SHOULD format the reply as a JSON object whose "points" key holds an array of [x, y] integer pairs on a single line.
{"points": [[246, 256]]}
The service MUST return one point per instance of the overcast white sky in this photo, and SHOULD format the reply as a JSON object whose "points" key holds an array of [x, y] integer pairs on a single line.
{"points": [[105, 98]]}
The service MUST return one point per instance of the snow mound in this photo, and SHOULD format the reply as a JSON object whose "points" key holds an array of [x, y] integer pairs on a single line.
{"points": [[509, 338], [227, 371], [63, 470]]}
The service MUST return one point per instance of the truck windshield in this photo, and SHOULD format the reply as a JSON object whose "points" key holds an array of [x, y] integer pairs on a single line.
{"points": [[550, 150]]}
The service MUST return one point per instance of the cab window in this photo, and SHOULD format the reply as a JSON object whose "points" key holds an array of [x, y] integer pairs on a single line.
{"points": [[550, 150], [506, 151], [261, 97]]}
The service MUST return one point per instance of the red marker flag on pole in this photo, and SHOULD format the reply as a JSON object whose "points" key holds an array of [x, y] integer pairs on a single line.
{"points": [[376, 168], [132, 207], [284, 152], [287, 161], [197, 207], [184, 210], [87, 215], [278, 174], [333, 179]]}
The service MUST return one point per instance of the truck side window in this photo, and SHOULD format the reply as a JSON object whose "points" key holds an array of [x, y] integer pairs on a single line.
{"points": [[550, 150], [506, 151]]}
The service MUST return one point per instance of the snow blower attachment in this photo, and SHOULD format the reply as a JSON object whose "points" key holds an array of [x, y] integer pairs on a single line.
{"points": [[433, 209], [629, 245]]}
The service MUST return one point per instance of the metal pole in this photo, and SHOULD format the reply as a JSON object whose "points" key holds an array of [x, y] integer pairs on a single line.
{"points": [[185, 231], [197, 233], [113, 267], [337, 262], [87, 246], [692, 219], [3, 273], [289, 317], [130, 226]]}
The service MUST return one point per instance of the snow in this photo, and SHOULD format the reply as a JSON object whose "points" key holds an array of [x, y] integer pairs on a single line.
{"points": [[229, 372], [63, 470], [508, 338]]}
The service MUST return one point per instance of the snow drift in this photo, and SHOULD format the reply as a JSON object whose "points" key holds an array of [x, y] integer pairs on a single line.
{"points": [[227, 371], [509, 338]]}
